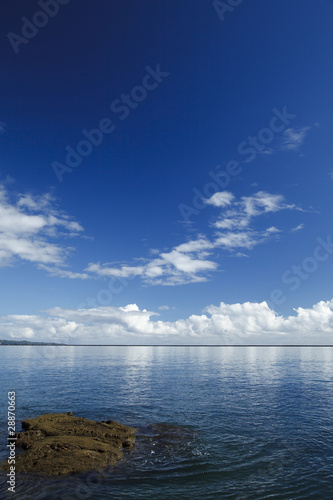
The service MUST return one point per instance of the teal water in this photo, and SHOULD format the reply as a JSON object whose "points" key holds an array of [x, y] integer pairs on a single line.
{"points": [[241, 423]]}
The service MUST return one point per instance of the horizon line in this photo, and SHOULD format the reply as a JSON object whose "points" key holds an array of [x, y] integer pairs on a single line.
{"points": [[166, 345]]}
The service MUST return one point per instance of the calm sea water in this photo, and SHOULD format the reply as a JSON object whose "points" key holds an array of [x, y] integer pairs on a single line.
{"points": [[238, 423]]}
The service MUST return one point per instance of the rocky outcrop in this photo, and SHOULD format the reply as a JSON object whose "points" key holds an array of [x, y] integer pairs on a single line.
{"points": [[61, 443]]}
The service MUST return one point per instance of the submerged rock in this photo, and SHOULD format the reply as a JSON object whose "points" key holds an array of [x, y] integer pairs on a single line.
{"points": [[61, 443]]}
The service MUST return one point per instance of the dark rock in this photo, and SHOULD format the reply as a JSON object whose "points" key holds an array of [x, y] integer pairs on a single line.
{"points": [[61, 443]]}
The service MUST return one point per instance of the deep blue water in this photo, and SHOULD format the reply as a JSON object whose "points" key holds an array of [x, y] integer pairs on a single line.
{"points": [[242, 423]]}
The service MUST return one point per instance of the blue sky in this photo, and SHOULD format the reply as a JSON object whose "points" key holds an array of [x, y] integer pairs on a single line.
{"points": [[166, 171]]}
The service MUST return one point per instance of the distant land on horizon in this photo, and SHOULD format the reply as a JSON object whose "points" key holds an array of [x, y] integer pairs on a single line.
{"points": [[26, 342]]}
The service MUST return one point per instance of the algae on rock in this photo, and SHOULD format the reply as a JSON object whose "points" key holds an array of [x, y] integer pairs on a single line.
{"points": [[61, 443]]}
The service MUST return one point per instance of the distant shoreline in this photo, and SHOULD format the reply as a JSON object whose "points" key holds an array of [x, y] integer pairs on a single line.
{"points": [[26, 342]]}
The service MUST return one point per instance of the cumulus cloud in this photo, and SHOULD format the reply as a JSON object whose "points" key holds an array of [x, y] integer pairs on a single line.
{"points": [[243, 324], [27, 224]]}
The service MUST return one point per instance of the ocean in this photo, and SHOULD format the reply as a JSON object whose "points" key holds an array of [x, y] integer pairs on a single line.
{"points": [[213, 422]]}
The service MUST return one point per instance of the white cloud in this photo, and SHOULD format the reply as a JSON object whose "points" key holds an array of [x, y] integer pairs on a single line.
{"points": [[294, 138], [247, 323], [297, 228], [272, 230], [179, 266], [195, 245], [63, 273], [122, 272], [262, 202], [242, 212], [26, 225], [221, 199], [237, 240], [192, 261], [187, 264], [240, 255], [235, 222]]}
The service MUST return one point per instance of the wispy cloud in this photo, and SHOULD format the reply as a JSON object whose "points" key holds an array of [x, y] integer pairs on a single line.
{"points": [[242, 212], [297, 228], [3, 127], [267, 151], [183, 264], [193, 261], [29, 224], [64, 273], [294, 138], [240, 323]]}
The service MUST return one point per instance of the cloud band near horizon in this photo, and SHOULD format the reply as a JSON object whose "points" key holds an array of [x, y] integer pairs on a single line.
{"points": [[225, 324]]}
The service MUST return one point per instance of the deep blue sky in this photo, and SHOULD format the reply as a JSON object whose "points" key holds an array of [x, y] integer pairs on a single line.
{"points": [[225, 78]]}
